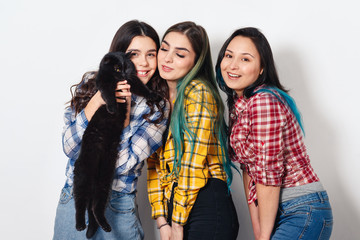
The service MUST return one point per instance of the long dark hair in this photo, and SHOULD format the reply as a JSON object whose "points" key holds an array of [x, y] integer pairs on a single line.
{"points": [[267, 63], [269, 77], [86, 89], [203, 71]]}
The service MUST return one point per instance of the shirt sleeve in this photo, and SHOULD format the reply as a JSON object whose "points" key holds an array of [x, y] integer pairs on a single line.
{"points": [[201, 111], [155, 191], [139, 143], [267, 119], [73, 132]]}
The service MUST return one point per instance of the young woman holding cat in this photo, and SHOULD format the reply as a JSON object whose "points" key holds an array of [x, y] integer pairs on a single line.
{"points": [[188, 177], [286, 199], [142, 135]]}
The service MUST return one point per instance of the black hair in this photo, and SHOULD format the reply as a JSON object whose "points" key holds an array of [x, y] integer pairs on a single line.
{"points": [[86, 89], [267, 63]]}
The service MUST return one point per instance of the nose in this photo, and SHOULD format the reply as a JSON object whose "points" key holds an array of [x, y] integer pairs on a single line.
{"points": [[143, 61], [168, 57], [234, 64]]}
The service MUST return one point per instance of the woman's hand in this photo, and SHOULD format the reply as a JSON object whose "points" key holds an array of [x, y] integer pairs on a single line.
{"points": [[165, 232], [122, 92], [177, 231], [123, 95], [165, 229]]}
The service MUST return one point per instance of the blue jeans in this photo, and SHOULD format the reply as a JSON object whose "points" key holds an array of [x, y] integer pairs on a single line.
{"points": [[306, 217], [121, 214]]}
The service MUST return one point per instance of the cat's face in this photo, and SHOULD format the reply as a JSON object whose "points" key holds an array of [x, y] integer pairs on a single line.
{"points": [[117, 65], [114, 67]]}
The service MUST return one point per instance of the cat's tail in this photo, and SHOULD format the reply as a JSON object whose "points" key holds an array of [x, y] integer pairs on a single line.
{"points": [[93, 225]]}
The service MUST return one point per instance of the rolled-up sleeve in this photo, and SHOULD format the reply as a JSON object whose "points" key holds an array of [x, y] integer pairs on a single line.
{"points": [[138, 143], [155, 191], [267, 120], [73, 131]]}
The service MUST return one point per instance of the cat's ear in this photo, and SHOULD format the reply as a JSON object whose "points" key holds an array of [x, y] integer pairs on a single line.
{"points": [[108, 58]]}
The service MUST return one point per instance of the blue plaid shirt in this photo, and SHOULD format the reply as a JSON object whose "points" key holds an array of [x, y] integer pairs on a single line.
{"points": [[138, 141]]}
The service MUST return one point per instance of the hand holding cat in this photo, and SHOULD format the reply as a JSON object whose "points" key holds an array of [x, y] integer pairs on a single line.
{"points": [[122, 92]]}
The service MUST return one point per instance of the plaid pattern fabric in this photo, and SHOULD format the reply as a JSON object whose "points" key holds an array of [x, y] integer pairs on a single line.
{"points": [[268, 143], [138, 141], [195, 170]]}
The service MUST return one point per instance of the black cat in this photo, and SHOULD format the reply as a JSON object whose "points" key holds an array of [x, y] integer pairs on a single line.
{"points": [[95, 168]]}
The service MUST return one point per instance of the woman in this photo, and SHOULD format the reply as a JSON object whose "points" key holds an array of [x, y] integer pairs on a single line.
{"points": [[286, 199], [187, 176], [142, 135]]}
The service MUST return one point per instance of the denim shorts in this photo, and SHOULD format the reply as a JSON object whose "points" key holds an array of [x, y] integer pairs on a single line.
{"points": [[121, 214], [305, 217]]}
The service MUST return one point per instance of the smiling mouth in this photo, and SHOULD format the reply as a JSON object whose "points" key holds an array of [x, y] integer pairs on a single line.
{"points": [[231, 75], [142, 73]]}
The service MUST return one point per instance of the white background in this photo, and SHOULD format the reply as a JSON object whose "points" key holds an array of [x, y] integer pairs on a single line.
{"points": [[46, 46]]}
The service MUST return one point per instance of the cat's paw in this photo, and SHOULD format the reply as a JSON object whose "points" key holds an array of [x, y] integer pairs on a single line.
{"points": [[106, 227], [101, 220], [91, 231], [80, 226], [92, 226]]}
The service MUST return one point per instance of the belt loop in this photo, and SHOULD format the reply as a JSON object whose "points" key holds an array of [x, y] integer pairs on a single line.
{"points": [[321, 197]]}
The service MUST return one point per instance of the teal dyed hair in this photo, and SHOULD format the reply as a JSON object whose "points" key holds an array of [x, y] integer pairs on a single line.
{"points": [[202, 71], [289, 101], [268, 78]]}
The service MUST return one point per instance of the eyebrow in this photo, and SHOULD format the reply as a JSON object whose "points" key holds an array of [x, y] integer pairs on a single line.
{"points": [[137, 50], [228, 50], [178, 48]]}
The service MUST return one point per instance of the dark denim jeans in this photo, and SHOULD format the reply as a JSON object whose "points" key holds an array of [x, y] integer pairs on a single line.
{"points": [[213, 215], [306, 217]]}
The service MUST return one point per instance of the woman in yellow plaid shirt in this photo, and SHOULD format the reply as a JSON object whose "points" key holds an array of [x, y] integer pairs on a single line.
{"points": [[188, 177]]}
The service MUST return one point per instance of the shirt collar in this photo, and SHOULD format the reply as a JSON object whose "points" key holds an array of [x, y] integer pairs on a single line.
{"points": [[240, 104]]}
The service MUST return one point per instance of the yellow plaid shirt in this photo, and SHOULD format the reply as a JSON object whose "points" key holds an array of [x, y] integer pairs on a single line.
{"points": [[205, 162]]}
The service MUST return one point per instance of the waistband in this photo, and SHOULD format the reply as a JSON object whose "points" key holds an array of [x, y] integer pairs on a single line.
{"points": [[69, 190], [312, 197], [287, 194]]}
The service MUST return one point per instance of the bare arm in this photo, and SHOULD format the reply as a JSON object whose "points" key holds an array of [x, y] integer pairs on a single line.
{"points": [[93, 105], [177, 231], [253, 209], [268, 202], [97, 101], [165, 230]]}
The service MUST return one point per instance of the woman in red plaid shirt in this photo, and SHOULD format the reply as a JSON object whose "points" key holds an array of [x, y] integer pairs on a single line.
{"points": [[285, 197]]}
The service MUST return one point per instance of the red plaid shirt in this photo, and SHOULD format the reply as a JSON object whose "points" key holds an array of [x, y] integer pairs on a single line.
{"points": [[268, 143]]}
